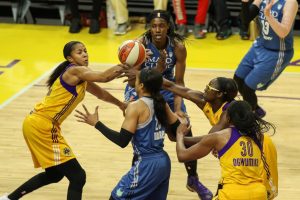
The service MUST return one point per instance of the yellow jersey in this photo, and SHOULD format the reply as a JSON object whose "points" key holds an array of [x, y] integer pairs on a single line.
{"points": [[240, 160], [61, 100], [212, 117]]}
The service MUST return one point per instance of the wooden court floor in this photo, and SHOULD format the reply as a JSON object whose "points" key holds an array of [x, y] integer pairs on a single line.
{"points": [[103, 161]]}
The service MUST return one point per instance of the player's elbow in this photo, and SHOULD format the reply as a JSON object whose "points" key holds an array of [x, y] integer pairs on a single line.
{"points": [[283, 33], [181, 157]]}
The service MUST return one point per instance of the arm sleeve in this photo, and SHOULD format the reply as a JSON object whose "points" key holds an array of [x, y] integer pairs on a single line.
{"points": [[173, 127], [249, 12], [122, 139]]}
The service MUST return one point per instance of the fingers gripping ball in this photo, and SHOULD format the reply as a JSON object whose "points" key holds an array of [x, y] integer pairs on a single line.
{"points": [[132, 52]]}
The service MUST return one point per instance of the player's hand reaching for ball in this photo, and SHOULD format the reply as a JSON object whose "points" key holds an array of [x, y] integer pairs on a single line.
{"points": [[87, 117]]}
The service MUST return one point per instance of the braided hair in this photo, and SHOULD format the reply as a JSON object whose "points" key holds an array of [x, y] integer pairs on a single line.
{"points": [[171, 32], [247, 122]]}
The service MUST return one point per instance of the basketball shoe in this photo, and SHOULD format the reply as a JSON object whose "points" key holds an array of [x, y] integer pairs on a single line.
{"points": [[260, 112], [194, 185]]}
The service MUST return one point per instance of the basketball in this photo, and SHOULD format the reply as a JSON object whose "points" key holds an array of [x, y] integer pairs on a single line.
{"points": [[132, 52]]}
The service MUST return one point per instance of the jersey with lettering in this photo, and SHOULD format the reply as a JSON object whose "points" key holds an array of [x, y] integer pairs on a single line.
{"points": [[130, 93], [268, 38], [148, 177], [240, 160], [61, 100], [149, 136]]}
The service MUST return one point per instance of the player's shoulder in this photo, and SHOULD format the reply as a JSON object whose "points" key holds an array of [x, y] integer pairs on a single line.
{"points": [[179, 46]]}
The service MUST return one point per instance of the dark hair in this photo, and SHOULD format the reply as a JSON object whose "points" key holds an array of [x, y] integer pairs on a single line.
{"points": [[171, 32], [247, 122], [152, 81], [228, 87], [68, 48]]}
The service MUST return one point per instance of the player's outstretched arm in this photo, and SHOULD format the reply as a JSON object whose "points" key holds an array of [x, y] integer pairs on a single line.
{"points": [[187, 93], [104, 95], [86, 74]]}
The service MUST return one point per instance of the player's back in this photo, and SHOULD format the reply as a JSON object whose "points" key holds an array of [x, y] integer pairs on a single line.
{"points": [[241, 168], [149, 136]]}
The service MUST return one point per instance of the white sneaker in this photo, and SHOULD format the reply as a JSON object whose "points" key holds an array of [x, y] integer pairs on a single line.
{"points": [[122, 29], [4, 197]]}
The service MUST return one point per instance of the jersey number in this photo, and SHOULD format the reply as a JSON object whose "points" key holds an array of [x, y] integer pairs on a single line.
{"points": [[247, 148], [265, 27]]}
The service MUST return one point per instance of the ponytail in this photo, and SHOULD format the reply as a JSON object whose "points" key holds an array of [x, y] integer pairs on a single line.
{"points": [[152, 81], [160, 108], [57, 72]]}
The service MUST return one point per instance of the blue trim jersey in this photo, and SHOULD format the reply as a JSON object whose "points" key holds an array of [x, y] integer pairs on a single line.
{"points": [[149, 175], [268, 38]]}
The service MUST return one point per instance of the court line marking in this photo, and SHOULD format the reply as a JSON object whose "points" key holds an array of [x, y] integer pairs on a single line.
{"points": [[111, 64], [9, 100]]}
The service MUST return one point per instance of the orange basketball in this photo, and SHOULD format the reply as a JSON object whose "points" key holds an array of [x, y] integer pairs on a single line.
{"points": [[132, 52]]}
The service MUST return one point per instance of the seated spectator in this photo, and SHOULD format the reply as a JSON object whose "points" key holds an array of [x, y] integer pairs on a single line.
{"points": [[76, 25], [181, 19]]}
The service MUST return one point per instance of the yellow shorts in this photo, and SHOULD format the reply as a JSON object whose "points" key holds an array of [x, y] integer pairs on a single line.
{"points": [[271, 159], [252, 191], [47, 146]]}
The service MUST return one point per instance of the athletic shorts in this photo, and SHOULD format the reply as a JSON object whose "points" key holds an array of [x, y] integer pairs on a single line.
{"points": [[148, 179], [252, 191], [47, 146], [261, 67]]}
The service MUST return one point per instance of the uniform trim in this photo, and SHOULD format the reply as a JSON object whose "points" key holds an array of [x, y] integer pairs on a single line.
{"points": [[233, 138], [65, 108]]}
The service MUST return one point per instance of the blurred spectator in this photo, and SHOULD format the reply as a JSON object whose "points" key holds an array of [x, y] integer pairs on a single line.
{"points": [[222, 18], [76, 25], [181, 18], [121, 14]]}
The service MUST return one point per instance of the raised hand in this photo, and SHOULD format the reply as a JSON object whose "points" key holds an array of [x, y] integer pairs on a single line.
{"points": [[268, 7], [161, 63], [149, 53], [183, 129], [182, 117], [87, 117]]}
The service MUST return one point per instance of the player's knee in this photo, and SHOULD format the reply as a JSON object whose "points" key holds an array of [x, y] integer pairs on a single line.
{"points": [[81, 178], [78, 180], [239, 81], [53, 176], [56, 178]]}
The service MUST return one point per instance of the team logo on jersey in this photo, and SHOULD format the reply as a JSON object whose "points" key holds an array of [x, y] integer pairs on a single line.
{"points": [[119, 192], [279, 6], [67, 151]]}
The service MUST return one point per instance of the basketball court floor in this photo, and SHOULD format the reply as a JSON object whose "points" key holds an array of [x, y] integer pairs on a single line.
{"points": [[28, 54]]}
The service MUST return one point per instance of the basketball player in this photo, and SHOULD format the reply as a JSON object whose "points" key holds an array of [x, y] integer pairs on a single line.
{"points": [[145, 122], [217, 96], [41, 128], [169, 55], [271, 52], [239, 150]]}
